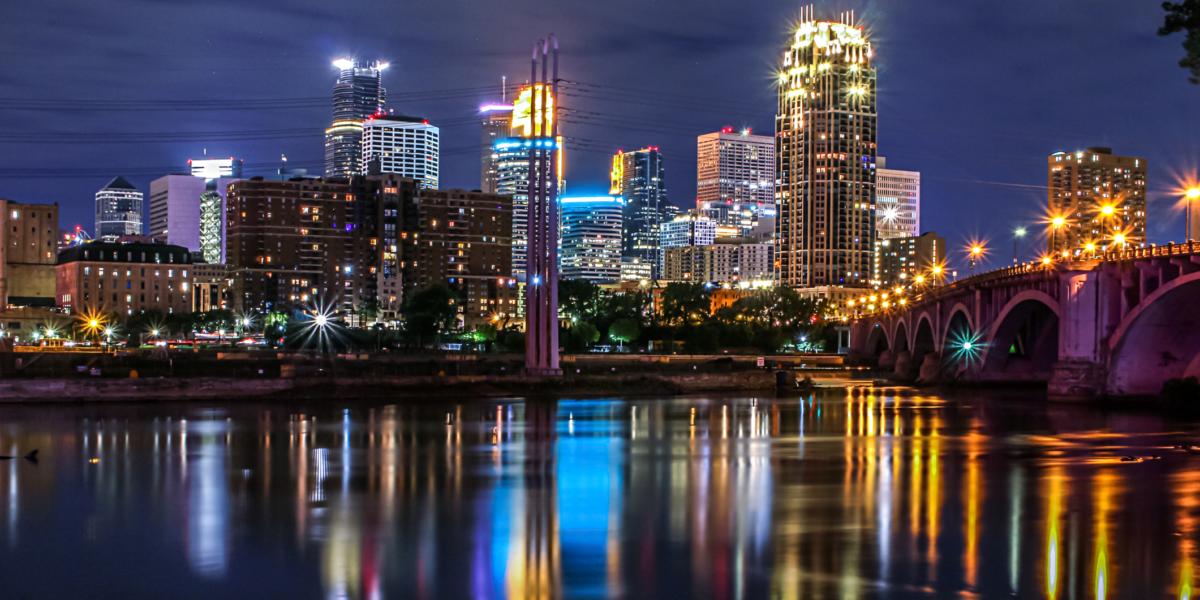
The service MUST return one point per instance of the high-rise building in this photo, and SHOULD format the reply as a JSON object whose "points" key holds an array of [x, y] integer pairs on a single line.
{"points": [[291, 243], [689, 229], [118, 209], [189, 210], [357, 94], [825, 131], [735, 177], [640, 179], [591, 238], [1096, 197], [28, 249], [904, 258], [404, 146], [511, 158], [897, 202], [496, 121]]}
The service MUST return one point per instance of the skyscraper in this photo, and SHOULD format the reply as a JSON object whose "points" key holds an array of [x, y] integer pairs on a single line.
{"points": [[189, 210], [495, 123], [511, 157], [1096, 197], [687, 230], [902, 259], [735, 177], [639, 178], [591, 238], [897, 202], [118, 209], [825, 132], [405, 146], [357, 94]]}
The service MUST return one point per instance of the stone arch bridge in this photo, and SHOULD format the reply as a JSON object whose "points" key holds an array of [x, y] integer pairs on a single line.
{"points": [[1119, 324]]}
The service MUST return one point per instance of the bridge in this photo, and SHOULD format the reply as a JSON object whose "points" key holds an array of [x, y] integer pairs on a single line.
{"points": [[1118, 323]]}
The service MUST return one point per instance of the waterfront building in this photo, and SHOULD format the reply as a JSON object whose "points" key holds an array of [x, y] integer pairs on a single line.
{"points": [[124, 278], [462, 239], [897, 202], [291, 244], [118, 209], [640, 179], [735, 178], [634, 268], [357, 94], [28, 251], [495, 123], [591, 238], [211, 286], [1095, 197], [825, 156], [903, 259], [189, 210], [404, 146]]}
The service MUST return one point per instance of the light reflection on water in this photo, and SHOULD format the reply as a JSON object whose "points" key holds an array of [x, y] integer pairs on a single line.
{"points": [[858, 493]]}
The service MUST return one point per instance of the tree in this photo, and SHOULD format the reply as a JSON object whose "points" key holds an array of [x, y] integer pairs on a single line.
{"points": [[685, 303], [579, 299], [580, 336], [429, 312], [624, 330], [1185, 16]]}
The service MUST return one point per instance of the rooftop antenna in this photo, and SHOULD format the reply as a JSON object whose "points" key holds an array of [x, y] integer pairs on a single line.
{"points": [[503, 87]]}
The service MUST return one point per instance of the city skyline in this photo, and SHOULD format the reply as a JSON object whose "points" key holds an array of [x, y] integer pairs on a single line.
{"points": [[998, 164]]}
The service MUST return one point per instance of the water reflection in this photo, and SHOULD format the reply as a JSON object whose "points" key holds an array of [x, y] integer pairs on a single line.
{"points": [[856, 493]]}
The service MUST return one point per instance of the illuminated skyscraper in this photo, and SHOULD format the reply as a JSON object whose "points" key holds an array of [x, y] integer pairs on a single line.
{"points": [[357, 94], [118, 209], [639, 178], [511, 157], [189, 210], [735, 177], [825, 132], [591, 238], [1101, 198], [495, 124], [404, 146]]}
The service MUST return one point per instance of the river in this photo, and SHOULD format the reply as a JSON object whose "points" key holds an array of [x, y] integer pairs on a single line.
{"points": [[865, 492]]}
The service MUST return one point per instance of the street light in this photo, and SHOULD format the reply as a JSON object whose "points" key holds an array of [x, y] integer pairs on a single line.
{"points": [[975, 252], [1018, 234], [1191, 195], [1056, 222]]}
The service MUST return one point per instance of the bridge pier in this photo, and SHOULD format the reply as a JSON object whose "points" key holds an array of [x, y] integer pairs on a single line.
{"points": [[1076, 379], [903, 368], [931, 369]]}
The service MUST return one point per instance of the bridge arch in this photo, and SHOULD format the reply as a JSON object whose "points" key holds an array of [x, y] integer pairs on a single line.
{"points": [[958, 323], [877, 340], [1022, 341], [1158, 340], [924, 340], [899, 337]]}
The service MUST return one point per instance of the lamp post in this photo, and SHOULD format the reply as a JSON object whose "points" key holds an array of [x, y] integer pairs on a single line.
{"points": [[1018, 234], [1056, 222], [1190, 196], [974, 253]]}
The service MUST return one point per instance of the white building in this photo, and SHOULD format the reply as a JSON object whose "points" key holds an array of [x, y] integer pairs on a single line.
{"points": [[732, 262], [405, 146], [591, 238], [735, 178], [215, 168], [189, 211], [687, 230], [897, 202]]}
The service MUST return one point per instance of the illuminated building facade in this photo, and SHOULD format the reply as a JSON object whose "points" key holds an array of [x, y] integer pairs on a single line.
{"points": [[897, 202], [735, 178], [730, 261], [640, 179], [511, 158], [118, 209], [591, 238], [124, 278], [357, 94], [825, 131], [210, 287], [189, 210], [405, 146], [290, 243], [28, 252], [495, 123], [1100, 197], [903, 258], [687, 230]]}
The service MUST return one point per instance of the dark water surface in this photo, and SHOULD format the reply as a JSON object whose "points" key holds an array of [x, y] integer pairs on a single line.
{"points": [[859, 493]]}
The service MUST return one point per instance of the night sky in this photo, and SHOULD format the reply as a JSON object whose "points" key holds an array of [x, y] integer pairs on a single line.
{"points": [[974, 94]]}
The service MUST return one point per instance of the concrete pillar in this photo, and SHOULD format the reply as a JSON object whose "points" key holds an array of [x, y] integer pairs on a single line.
{"points": [[931, 369], [1079, 371], [903, 364], [887, 360]]}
